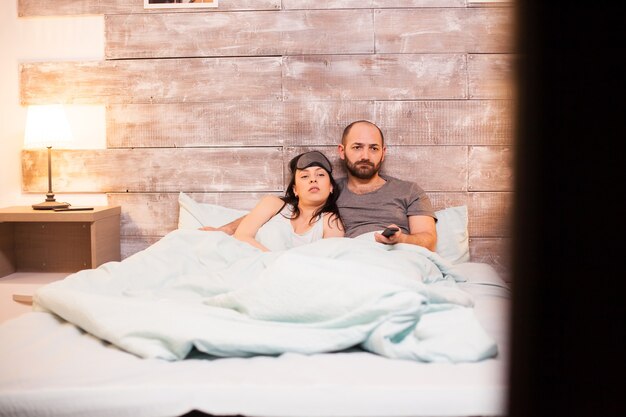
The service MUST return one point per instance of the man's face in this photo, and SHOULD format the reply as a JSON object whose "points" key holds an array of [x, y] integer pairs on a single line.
{"points": [[362, 151]]}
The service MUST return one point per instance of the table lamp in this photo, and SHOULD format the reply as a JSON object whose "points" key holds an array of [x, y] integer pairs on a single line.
{"points": [[47, 126]]}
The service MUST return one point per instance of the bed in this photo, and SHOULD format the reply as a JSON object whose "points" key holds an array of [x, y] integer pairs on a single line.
{"points": [[202, 323]]}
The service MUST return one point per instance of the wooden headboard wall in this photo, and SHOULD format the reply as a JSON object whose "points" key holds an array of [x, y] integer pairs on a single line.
{"points": [[216, 101]]}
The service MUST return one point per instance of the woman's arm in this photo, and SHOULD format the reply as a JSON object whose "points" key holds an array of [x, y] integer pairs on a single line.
{"points": [[265, 209], [333, 227]]}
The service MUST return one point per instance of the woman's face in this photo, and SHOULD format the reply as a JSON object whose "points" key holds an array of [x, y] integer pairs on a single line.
{"points": [[312, 185]]}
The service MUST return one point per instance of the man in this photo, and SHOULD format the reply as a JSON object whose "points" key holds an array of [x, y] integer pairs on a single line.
{"points": [[369, 201]]}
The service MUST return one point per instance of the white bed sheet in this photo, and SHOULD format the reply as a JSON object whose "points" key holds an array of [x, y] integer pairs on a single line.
{"points": [[50, 367]]}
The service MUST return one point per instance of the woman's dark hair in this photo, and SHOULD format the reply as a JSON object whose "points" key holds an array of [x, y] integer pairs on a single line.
{"points": [[331, 203]]}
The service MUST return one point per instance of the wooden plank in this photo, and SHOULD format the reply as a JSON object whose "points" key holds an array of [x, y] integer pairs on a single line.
{"points": [[444, 30], [308, 123], [495, 252], [107, 170], [490, 168], [442, 200], [146, 214], [491, 76], [231, 123], [130, 245], [28, 8], [151, 81], [73, 7], [238, 34], [155, 170], [490, 214], [156, 214], [311, 123], [366, 4], [79, 7], [442, 122], [434, 168], [447, 122], [374, 77]]}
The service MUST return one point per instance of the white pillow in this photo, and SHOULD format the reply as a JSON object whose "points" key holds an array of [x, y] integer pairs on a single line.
{"points": [[193, 215], [452, 234]]}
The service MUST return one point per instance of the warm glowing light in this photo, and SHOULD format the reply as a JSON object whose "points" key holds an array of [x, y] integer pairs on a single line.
{"points": [[47, 125]]}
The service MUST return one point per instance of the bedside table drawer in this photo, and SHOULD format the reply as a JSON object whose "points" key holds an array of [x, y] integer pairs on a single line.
{"points": [[47, 241], [52, 247]]}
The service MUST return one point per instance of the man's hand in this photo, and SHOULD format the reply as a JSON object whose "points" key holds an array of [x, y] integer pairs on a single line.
{"points": [[228, 228], [392, 239], [212, 229], [422, 233]]}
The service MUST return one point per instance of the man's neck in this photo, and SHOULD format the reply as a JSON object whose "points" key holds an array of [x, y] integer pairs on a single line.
{"points": [[364, 186]]}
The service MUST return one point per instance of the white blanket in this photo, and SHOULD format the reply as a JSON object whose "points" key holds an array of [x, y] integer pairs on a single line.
{"points": [[211, 292]]}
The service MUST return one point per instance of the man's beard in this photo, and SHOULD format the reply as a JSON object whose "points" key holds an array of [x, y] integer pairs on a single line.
{"points": [[364, 170]]}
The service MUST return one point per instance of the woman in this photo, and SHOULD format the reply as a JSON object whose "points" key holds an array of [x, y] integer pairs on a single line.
{"points": [[306, 213]]}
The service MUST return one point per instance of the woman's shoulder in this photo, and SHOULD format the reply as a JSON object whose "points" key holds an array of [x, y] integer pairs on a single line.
{"points": [[269, 204], [271, 200]]}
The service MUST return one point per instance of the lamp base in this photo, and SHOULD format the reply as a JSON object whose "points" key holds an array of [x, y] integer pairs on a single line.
{"points": [[49, 205]]}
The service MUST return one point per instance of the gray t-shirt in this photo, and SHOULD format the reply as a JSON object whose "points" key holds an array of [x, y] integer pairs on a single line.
{"points": [[391, 203]]}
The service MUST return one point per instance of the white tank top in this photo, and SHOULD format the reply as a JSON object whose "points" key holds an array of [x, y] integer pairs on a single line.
{"points": [[278, 233]]}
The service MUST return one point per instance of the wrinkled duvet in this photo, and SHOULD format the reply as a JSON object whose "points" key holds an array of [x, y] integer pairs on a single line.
{"points": [[206, 291]]}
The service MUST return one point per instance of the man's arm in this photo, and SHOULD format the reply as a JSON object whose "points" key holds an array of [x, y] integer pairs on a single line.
{"points": [[228, 228], [422, 233]]}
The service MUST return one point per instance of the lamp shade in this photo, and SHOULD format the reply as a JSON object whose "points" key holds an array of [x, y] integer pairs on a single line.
{"points": [[46, 125]]}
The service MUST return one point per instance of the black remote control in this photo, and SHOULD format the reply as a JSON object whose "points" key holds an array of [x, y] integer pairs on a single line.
{"points": [[73, 208], [389, 231]]}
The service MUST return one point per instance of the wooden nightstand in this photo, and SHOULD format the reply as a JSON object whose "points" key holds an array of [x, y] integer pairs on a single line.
{"points": [[38, 246], [50, 241]]}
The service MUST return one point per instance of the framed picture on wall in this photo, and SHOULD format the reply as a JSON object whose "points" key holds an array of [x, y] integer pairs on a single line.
{"points": [[170, 4]]}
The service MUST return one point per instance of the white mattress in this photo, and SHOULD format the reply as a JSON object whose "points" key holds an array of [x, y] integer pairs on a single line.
{"points": [[49, 367]]}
